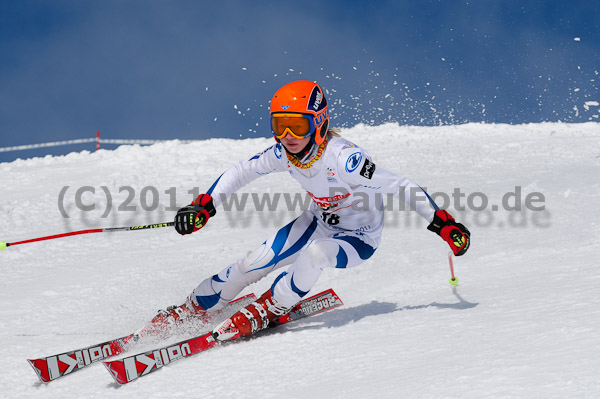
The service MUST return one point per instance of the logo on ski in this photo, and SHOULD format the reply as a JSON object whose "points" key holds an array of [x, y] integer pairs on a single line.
{"points": [[53, 367], [317, 304], [157, 359]]}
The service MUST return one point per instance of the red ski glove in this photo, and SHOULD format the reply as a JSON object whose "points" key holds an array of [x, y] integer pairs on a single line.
{"points": [[193, 217], [455, 234]]}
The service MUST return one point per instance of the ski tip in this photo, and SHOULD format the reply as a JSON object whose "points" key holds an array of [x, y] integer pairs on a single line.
{"points": [[339, 300], [37, 365], [113, 369], [3, 245]]}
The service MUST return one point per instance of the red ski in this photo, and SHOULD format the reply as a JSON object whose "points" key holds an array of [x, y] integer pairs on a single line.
{"points": [[132, 367], [52, 367]]}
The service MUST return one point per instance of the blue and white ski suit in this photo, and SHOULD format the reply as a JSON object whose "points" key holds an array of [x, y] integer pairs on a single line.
{"points": [[341, 229]]}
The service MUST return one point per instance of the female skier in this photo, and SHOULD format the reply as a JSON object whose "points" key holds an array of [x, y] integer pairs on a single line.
{"points": [[341, 229]]}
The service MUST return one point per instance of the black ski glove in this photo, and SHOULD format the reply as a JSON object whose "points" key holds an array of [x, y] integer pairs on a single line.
{"points": [[193, 217]]}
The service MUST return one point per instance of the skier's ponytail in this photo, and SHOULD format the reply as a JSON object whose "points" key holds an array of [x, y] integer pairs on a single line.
{"points": [[333, 132]]}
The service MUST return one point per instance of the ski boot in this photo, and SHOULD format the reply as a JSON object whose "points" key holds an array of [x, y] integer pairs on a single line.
{"points": [[254, 317], [167, 320]]}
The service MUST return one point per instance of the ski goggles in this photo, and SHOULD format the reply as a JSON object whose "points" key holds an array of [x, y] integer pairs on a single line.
{"points": [[298, 125]]}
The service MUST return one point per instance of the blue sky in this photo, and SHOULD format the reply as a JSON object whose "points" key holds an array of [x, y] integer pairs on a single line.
{"points": [[193, 70]]}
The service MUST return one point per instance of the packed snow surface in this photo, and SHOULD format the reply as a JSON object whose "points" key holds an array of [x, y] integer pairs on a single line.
{"points": [[523, 322]]}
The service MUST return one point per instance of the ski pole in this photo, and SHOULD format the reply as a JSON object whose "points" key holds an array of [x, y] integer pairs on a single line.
{"points": [[4, 245], [453, 278]]}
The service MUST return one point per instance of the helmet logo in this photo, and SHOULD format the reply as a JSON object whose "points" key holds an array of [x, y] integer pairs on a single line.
{"points": [[317, 101], [285, 106], [320, 118]]}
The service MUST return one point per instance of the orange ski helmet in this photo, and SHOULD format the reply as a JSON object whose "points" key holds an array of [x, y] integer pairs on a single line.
{"points": [[300, 97]]}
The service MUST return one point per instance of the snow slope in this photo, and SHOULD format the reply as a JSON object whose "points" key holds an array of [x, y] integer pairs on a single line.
{"points": [[523, 322]]}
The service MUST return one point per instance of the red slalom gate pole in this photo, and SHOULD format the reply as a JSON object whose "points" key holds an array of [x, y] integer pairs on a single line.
{"points": [[4, 245], [97, 140], [453, 278]]}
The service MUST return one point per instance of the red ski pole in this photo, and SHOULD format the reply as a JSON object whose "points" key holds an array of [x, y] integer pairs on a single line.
{"points": [[453, 278], [4, 245]]}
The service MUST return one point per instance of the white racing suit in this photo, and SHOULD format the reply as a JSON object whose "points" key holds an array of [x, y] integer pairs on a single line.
{"points": [[341, 229]]}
